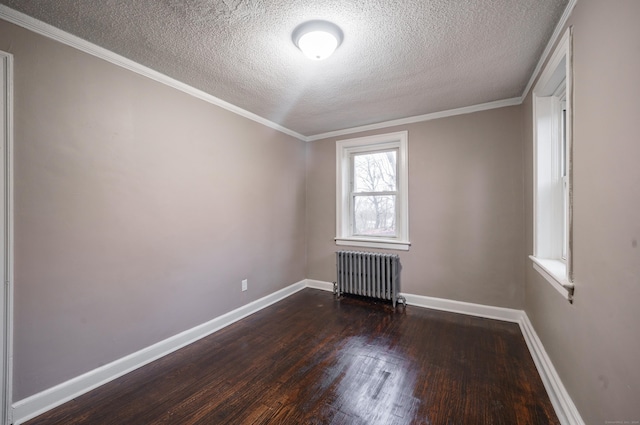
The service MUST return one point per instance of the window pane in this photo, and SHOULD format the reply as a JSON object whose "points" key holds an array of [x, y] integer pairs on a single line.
{"points": [[565, 206], [563, 143], [374, 215], [375, 172]]}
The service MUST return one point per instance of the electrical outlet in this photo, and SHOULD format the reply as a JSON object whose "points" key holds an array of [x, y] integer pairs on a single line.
{"points": [[244, 284]]}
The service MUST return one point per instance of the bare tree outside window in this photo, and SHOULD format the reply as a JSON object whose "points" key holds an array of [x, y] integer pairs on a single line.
{"points": [[374, 193]]}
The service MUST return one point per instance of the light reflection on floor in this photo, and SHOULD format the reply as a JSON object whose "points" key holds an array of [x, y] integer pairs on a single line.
{"points": [[372, 380]]}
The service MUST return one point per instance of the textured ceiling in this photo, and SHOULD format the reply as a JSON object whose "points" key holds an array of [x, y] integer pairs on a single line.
{"points": [[399, 58]]}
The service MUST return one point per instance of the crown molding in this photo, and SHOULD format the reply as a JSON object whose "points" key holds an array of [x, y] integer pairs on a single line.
{"points": [[49, 31], [469, 109], [57, 34], [557, 32], [420, 118]]}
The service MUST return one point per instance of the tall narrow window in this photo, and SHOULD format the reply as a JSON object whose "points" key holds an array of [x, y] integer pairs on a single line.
{"points": [[371, 203], [563, 175], [552, 97]]}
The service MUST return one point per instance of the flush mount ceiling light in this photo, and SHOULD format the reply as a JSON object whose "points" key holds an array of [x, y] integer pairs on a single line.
{"points": [[317, 39]]}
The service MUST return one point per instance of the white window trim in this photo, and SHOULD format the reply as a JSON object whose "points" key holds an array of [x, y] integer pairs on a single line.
{"points": [[553, 271], [344, 149], [6, 231], [548, 210]]}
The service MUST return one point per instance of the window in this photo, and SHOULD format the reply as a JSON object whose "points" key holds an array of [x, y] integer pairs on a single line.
{"points": [[552, 98], [563, 171], [371, 192]]}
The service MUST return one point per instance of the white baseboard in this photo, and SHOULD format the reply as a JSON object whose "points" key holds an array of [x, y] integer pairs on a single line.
{"points": [[478, 310], [319, 284], [461, 307], [565, 409], [37, 404]]}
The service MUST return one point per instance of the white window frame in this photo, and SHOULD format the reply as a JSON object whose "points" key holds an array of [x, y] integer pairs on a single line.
{"points": [[552, 192], [6, 235], [344, 206]]}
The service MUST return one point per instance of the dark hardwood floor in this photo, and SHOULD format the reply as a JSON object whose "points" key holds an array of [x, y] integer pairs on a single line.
{"points": [[311, 359]]}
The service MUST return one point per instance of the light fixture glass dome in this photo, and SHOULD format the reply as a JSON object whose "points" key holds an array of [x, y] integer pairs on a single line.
{"points": [[317, 45], [317, 39]]}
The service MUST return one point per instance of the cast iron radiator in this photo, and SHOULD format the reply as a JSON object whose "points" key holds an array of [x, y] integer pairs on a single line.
{"points": [[369, 274]]}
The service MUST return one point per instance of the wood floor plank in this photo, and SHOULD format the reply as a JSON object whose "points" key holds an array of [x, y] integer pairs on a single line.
{"points": [[312, 359]]}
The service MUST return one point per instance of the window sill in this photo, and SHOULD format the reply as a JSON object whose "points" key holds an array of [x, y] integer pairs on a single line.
{"points": [[555, 272], [374, 243]]}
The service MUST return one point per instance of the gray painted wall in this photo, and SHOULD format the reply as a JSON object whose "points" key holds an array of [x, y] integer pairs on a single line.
{"points": [[595, 343], [465, 208], [135, 204], [138, 210]]}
